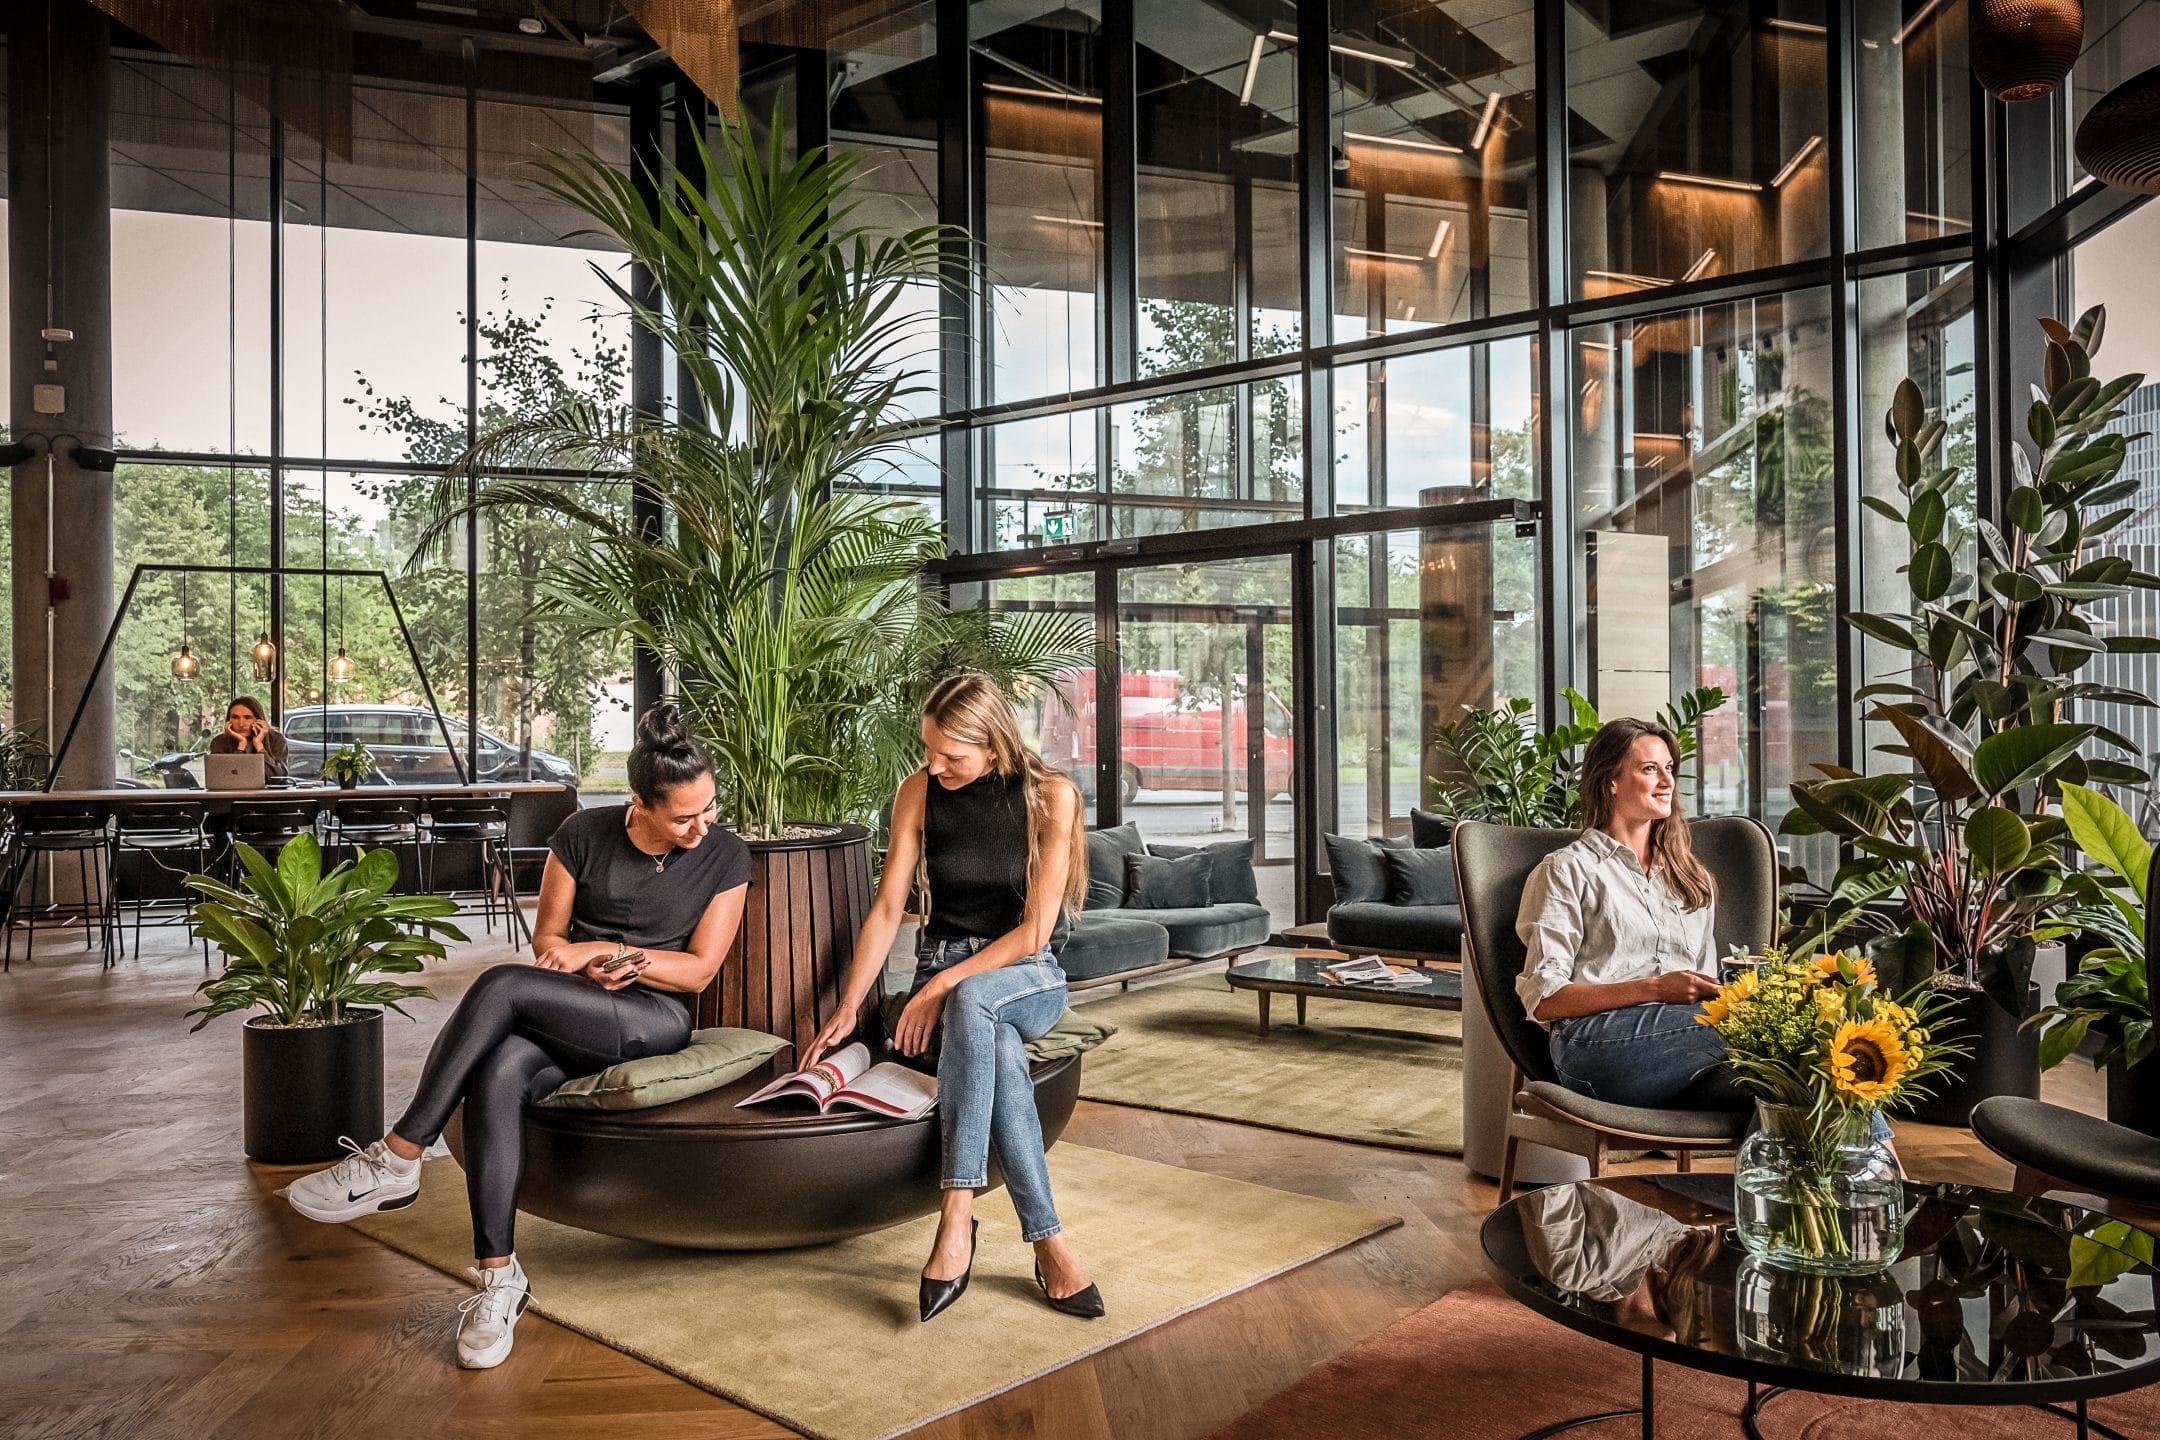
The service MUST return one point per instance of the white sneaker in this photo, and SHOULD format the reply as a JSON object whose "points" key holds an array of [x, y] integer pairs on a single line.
{"points": [[487, 1320], [361, 1184]]}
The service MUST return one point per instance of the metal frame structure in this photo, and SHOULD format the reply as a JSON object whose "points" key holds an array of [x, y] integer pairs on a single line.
{"points": [[2015, 261]]}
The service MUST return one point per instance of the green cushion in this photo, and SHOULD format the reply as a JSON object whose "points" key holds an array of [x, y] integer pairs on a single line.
{"points": [[1180, 884], [1230, 876], [1420, 877], [710, 1060], [1106, 852]]}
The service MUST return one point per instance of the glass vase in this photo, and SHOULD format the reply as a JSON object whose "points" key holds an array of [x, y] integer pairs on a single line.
{"points": [[1814, 1192]]}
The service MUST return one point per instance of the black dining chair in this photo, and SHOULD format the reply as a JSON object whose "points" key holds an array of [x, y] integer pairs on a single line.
{"points": [[482, 821], [388, 822], [266, 825], [2055, 1148], [44, 830], [535, 816], [1492, 866], [153, 829]]}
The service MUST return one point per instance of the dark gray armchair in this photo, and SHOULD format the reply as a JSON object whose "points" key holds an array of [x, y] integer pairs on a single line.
{"points": [[1492, 866], [2058, 1149]]}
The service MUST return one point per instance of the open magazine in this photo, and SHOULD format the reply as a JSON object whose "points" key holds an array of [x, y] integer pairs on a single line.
{"points": [[846, 1077], [1372, 970]]}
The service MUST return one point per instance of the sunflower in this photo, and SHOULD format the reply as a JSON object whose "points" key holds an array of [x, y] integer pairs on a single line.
{"points": [[1867, 1060], [1829, 969], [1719, 1006]]}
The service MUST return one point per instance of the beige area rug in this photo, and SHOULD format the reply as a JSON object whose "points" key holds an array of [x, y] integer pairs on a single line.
{"points": [[827, 1339], [1377, 1074]]}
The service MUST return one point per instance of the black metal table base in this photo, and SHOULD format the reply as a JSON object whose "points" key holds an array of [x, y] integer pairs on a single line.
{"points": [[2087, 1427]]}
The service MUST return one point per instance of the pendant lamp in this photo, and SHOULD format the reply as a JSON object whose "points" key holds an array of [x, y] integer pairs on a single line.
{"points": [[184, 665], [2022, 49], [2119, 139]]}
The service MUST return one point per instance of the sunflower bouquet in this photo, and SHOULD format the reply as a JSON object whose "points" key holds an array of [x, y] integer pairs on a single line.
{"points": [[1824, 1051]]}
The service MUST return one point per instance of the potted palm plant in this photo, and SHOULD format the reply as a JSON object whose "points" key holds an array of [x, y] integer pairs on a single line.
{"points": [[785, 596], [302, 947], [1955, 858]]}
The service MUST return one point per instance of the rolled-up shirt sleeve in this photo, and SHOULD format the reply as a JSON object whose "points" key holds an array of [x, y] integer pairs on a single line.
{"points": [[1550, 923]]}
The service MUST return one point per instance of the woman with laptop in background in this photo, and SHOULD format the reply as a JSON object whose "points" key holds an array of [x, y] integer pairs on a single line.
{"points": [[248, 731]]}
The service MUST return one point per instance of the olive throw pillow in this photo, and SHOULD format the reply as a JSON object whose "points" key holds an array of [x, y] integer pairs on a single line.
{"points": [[1157, 884], [709, 1061]]}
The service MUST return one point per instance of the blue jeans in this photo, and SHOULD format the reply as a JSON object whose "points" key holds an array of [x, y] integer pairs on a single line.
{"points": [[983, 1085], [1656, 1056]]}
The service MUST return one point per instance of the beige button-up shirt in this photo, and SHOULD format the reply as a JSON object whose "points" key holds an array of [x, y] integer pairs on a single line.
{"points": [[1590, 914]]}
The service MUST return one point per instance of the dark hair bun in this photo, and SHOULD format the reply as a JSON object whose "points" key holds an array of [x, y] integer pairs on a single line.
{"points": [[666, 754], [661, 727]]}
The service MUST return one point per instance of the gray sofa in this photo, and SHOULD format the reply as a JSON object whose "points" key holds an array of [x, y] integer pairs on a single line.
{"points": [[1396, 896], [1126, 929]]}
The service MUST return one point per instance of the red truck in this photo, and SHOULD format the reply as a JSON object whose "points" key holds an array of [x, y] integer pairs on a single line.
{"points": [[1172, 734]]}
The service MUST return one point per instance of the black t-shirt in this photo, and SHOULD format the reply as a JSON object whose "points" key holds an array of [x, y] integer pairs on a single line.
{"points": [[622, 895]]}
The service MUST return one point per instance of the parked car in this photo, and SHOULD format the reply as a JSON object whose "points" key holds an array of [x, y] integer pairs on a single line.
{"points": [[408, 746], [1171, 740]]}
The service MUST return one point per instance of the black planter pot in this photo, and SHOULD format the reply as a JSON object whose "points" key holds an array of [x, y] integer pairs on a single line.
{"points": [[2133, 1096], [2001, 1058], [305, 1085]]}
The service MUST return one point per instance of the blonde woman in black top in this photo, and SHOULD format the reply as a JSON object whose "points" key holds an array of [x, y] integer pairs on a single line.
{"points": [[995, 837]]}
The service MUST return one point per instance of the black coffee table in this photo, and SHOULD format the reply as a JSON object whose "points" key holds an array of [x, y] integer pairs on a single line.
{"points": [[1998, 1299], [1300, 975]]}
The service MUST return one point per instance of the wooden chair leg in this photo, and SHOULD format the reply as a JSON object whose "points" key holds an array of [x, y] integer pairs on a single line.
{"points": [[1596, 1157], [1687, 1162], [1507, 1167], [2028, 1181]]}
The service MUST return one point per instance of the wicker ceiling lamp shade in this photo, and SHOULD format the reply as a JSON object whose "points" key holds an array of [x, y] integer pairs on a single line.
{"points": [[2022, 49], [703, 38], [2119, 139]]}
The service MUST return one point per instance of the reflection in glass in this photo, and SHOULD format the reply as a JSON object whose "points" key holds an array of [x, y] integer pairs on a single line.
{"points": [[1058, 724], [1435, 163], [1041, 97], [1696, 142], [1703, 483], [1913, 121], [1218, 148], [1205, 721], [1436, 426], [1426, 622]]}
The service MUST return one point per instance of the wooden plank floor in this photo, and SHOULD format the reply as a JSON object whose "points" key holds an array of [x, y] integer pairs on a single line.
{"points": [[152, 1284]]}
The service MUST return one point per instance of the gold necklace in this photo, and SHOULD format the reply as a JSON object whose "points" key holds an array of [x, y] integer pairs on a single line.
{"points": [[659, 862]]}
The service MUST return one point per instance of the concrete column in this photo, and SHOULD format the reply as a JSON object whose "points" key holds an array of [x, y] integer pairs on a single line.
{"points": [[60, 276]]}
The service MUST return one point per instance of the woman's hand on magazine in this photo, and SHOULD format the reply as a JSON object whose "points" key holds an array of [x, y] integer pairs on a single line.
{"points": [[836, 1033], [918, 1021]]}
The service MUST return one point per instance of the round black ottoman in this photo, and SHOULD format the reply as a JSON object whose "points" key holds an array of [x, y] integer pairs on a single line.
{"points": [[704, 1175]]}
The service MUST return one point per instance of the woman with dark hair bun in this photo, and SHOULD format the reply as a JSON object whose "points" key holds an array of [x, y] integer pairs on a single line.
{"points": [[638, 908]]}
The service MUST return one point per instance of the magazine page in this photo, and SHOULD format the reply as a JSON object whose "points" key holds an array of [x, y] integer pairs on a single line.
{"points": [[891, 1089], [821, 1081]]}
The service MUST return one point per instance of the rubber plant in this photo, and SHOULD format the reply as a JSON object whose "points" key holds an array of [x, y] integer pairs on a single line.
{"points": [[1963, 834]]}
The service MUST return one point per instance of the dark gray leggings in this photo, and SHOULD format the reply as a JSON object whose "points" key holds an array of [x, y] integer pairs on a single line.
{"points": [[519, 1032]]}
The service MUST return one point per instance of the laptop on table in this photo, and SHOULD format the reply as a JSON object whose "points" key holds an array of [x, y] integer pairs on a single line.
{"points": [[233, 772]]}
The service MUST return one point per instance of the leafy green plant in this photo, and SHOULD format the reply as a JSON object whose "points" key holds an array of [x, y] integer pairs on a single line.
{"points": [[2110, 996], [25, 760], [787, 598], [349, 764], [1511, 773], [1964, 838], [300, 945]]}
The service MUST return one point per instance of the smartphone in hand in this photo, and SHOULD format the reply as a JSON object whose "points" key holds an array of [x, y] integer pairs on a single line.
{"points": [[615, 962]]}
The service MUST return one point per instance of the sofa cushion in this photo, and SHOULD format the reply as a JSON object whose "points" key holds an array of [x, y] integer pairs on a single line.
{"points": [[1429, 831], [1157, 884], [1420, 877], [711, 1059], [1106, 852], [1377, 927], [1230, 879], [1354, 864], [1202, 934], [1110, 942]]}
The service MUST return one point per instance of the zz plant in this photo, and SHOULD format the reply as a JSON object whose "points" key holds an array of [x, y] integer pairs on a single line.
{"points": [[1966, 834], [300, 945]]}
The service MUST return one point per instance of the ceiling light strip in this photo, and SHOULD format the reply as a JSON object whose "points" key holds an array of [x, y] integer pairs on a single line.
{"points": [[1800, 156], [1026, 92], [1714, 182], [1485, 121], [1438, 147]]}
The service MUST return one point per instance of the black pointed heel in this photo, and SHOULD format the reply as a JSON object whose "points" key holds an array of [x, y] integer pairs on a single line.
{"points": [[938, 1295], [1081, 1304]]}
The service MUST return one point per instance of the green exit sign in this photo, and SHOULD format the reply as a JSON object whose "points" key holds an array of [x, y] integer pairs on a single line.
{"points": [[1060, 525]]}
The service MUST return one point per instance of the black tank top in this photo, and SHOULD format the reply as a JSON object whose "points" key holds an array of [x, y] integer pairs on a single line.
{"points": [[975, 842]]}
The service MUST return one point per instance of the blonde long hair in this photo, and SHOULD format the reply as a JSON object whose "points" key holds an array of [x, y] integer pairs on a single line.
{"points": [[970, 708], [1670, 849]]}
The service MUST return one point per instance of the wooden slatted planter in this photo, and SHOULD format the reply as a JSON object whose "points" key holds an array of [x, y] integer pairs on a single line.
{"points": [[808, 898]]}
